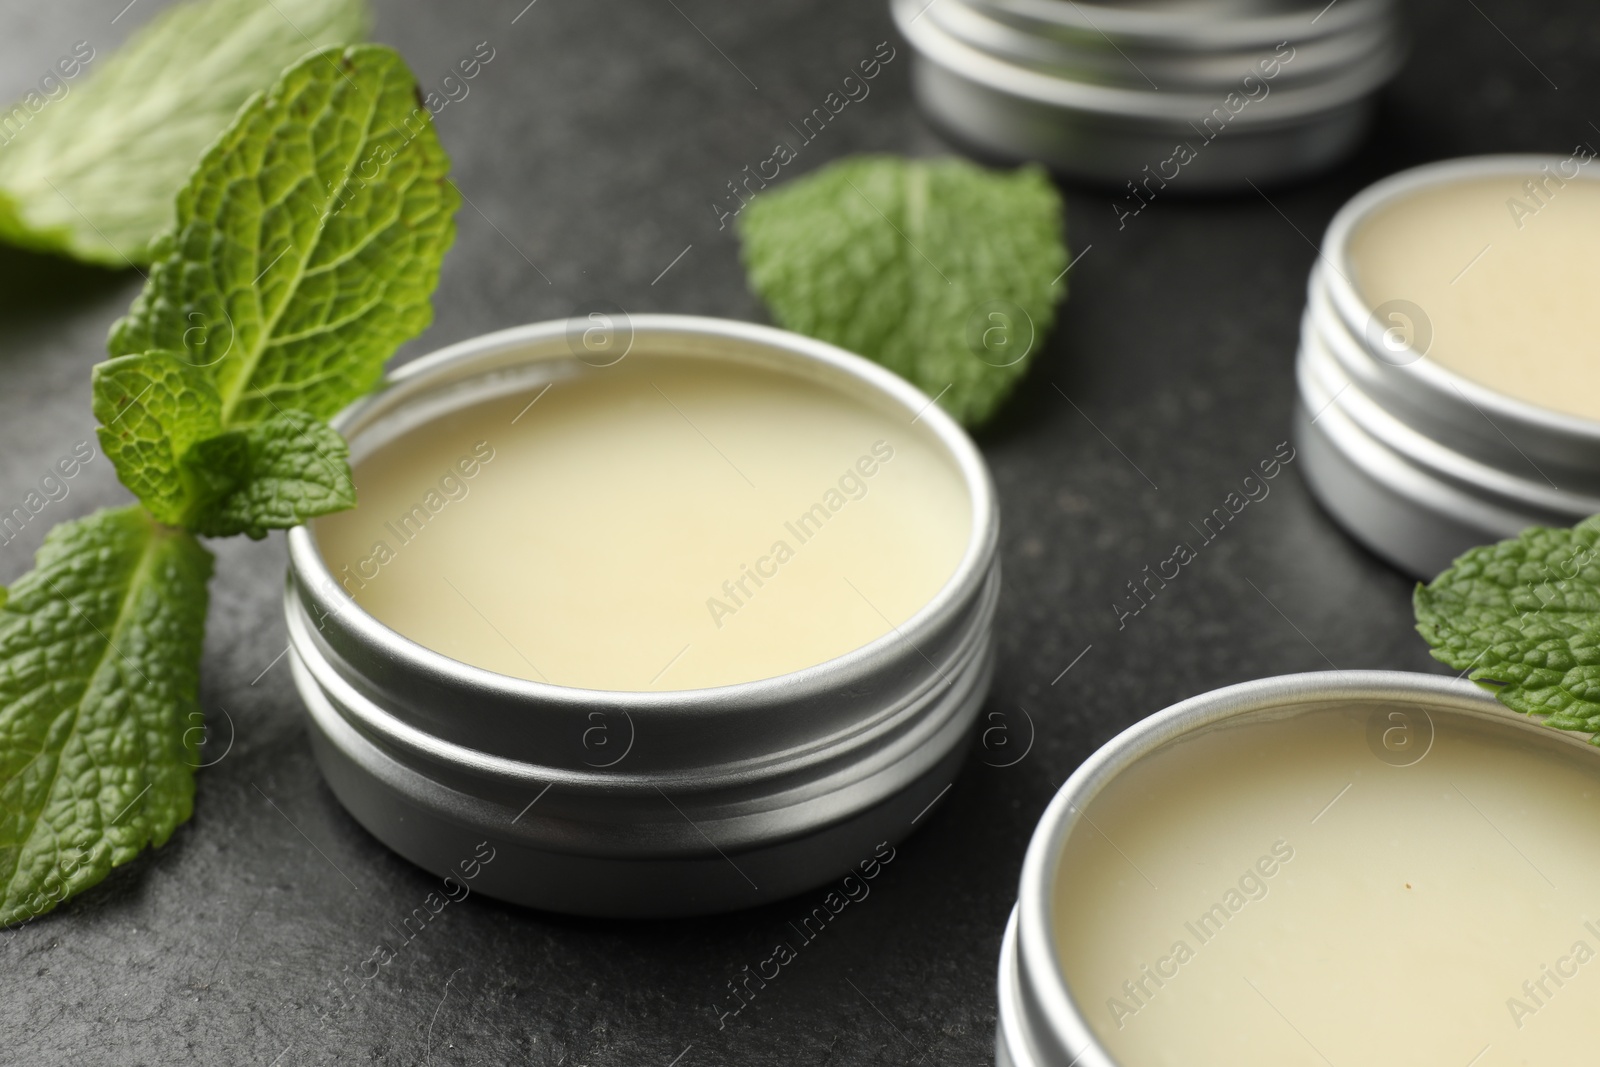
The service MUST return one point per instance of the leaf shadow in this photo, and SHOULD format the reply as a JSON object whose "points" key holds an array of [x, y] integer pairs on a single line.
{"points": [[35, 286]]}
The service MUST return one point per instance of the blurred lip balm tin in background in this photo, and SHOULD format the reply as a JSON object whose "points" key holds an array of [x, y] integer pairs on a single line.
{"points": [[1449, 393], [1201, 95]]}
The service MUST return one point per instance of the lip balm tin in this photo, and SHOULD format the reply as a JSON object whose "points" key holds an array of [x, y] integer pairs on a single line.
{"points": [[1258, 91], [1416, 461], [699, 801], [1040, 1022]]}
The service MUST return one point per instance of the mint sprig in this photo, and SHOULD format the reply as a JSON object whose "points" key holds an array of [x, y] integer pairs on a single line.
{"points": [[307, 243], [944, 272], [1523, 618], [91, 170]]}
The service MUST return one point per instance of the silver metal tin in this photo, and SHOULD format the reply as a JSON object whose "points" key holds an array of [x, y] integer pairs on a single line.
{"points": [[1417, 462], [1040, 1023], [720, 798], [1101, 91]]}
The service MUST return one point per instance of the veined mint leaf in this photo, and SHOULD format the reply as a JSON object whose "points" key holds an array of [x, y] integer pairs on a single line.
{"points": [[922, 266], [1523, 616], [91, 162], [270, 476], [307, 242], [161, 426], [99, 662], [153, 407]]}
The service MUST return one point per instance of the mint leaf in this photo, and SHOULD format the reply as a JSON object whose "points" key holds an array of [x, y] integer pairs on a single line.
{"points": [[99, 661], [270, 476], [92, 172], [1524, 617], [161, 426], [946, 273], [153, 407], [307, 242]]}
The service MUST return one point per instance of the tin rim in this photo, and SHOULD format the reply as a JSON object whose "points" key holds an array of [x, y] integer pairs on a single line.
{"points": [[415, 745], [1323, 376], [316, 581], [935, 44], [1053, 1021], [1200, 28], [1090, 59], [1424, 375]]}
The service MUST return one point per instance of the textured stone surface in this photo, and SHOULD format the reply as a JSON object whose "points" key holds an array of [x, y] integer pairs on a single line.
{"points": [[590, 149]]}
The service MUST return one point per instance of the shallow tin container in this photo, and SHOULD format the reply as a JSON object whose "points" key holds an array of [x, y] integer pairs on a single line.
{"points": [[1416, 461], [1040, 1023], [641, 803], [1104, 91]]}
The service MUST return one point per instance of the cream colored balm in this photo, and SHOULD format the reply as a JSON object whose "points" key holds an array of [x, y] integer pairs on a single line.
{"points": [[660, 524], [1275, 895], [1505, 272]]}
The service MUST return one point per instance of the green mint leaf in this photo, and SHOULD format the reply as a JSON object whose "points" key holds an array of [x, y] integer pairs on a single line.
{"points": [[99, 668], [946, 273], [90, 162], [270, 476], [1523, 616], [307, 242], [153, 407], [161, 426]]}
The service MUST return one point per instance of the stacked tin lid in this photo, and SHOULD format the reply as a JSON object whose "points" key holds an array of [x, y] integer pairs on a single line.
{"points": [[1211, 94]]}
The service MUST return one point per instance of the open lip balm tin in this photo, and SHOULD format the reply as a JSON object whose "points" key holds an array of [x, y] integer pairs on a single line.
{"points": [[1419, 462], [701, 800], [1404, 719], [1253, 90]]}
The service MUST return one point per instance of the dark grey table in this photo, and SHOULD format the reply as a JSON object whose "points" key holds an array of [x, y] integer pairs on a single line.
{"points": [[591, 149]]}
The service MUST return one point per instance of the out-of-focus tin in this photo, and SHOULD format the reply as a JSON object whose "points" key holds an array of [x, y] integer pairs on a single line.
{"points": [[641, 803], [1418, 462], [1040, 1022], [1256, 90]]}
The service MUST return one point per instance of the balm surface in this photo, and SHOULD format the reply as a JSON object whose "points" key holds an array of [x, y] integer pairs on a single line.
{"points": [[1276, 895], [1505, 271], [659, 524]]}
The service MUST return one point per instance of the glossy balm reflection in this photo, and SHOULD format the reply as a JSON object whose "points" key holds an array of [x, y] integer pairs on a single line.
{"points": [[1504, 271], [1296, 893], [661, 524]]}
